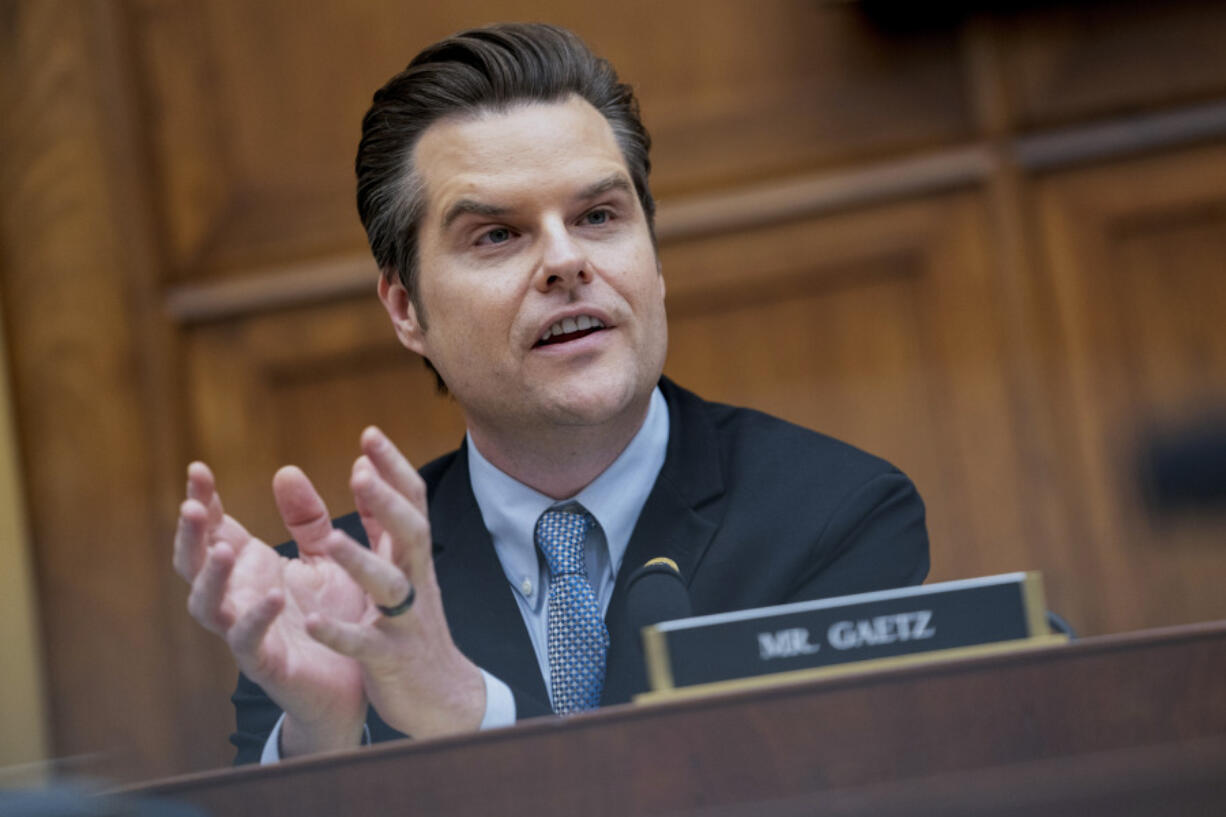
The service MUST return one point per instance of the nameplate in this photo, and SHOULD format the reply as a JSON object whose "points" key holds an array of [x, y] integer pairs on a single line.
{"points": [[885, 626]]}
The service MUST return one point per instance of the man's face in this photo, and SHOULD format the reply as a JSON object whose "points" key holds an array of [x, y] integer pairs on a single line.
{"points": [[538, 278]]}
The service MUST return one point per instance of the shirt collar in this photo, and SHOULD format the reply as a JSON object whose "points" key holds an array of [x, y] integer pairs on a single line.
{"points": [[510, 509]]}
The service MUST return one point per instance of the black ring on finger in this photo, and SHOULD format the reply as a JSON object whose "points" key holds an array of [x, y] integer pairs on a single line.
{"points": [[392, 612]]}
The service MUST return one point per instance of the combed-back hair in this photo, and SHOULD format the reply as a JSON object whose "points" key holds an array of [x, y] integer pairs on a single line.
{"points": [[484, 69]]}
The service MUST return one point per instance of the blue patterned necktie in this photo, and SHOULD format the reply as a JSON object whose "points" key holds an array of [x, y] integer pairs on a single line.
{"points": [[578, 639]]}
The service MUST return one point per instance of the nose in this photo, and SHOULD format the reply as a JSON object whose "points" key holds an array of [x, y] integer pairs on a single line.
{"points": [[563, 262]]}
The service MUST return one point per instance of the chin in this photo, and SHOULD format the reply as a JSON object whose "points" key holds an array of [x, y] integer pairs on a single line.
{"points": [[595, 401]]}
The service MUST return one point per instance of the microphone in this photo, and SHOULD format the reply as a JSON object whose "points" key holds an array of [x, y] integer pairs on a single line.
{"points": [[655, 593]]}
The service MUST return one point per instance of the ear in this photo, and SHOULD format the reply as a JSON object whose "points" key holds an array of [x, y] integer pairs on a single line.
{"points": [[400, 309]]}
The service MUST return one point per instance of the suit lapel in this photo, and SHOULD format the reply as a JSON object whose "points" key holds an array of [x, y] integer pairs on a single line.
{"points": [[678, 522], [484, 619]]}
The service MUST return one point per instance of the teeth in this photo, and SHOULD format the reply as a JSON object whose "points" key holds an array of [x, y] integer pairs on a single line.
{"points": [[568, 325]]}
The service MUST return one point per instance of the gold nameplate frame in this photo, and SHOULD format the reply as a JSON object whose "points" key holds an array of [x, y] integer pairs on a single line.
{"points": [[847, 634]]}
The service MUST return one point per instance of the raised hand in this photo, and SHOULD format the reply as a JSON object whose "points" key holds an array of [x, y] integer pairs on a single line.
{"points": [[412, 671], [259, 602]]}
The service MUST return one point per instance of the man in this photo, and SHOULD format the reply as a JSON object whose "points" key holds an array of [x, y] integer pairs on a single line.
{"points": [[502, 180]]}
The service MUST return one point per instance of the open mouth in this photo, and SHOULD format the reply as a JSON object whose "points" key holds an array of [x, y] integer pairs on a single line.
{"points": [[569, 329]]}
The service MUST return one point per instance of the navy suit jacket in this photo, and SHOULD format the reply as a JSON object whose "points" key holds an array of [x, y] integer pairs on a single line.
{"points": [[755, 511]]}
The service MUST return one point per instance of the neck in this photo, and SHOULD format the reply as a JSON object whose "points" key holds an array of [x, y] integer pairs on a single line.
{"points": [[558, 461]]}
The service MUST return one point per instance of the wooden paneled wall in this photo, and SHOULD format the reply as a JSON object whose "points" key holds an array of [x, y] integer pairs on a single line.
{"points": [[23, 704], [992, 250]]}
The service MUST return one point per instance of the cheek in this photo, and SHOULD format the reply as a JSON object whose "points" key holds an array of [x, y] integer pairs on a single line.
{"points": [[652, 289], [636, 274], [473, 299], [480, 320]]}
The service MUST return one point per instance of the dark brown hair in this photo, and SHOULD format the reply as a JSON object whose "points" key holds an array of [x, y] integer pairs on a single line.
{"points": [[483, 69]]}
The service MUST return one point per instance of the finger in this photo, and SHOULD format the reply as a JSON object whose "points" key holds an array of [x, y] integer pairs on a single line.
{"points": [[394, 467], [354, 640], [302, 509], [386, 548], [202, 486], [383, 581], [247, 634], [374, 531], [205, 602], [191, 539], [402, 521]]}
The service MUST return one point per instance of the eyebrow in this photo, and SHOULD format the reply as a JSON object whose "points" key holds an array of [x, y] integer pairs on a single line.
{"points": [[616, 181], [465, 207]]}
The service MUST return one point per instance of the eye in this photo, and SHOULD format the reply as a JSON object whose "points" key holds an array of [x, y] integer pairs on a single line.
{"points": [[498, 235], [596, 217]]}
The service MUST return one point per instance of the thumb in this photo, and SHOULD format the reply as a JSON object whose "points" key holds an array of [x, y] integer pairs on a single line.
{"points": [[302, 509]]}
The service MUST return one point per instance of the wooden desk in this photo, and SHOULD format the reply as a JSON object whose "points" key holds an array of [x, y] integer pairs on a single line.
{"points": [[1096, 726]]}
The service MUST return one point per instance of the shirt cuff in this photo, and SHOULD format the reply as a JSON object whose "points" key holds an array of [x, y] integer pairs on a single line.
{"points": [[499, 711], [499, 703], [272, 746]]}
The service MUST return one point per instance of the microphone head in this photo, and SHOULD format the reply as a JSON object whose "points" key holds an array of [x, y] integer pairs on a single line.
{"points": [[658, 563], [655, 593]]}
